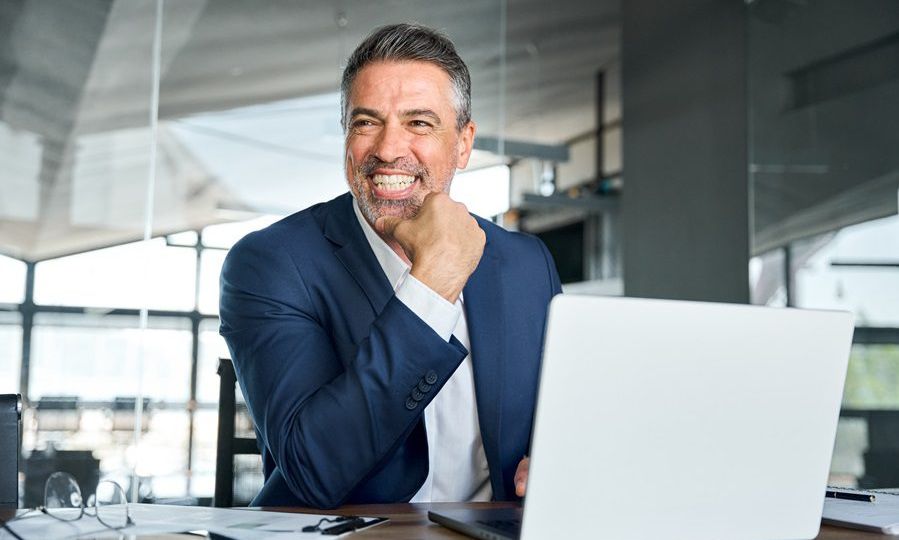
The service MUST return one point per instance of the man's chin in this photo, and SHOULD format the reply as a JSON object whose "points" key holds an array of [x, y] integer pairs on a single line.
{"points": [[402, 213], [404, 209]]}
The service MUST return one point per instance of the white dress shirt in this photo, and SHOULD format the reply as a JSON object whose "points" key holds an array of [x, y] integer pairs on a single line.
{"points": [[458, 468]]}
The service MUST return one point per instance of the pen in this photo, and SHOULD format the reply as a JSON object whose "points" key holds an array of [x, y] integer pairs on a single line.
{"points": [[849, 496], [345, 526]]}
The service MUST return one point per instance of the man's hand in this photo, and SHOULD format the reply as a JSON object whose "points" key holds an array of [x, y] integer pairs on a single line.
{"points": [[521, 476], [443, 242]]}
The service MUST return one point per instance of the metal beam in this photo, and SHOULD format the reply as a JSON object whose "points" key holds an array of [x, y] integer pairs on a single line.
{"points": [[871, 335], [865, 264], [523, 149], [595, 205]]}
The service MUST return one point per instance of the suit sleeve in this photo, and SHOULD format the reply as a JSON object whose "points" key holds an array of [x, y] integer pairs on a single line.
{"points": [[327, 425], [555, 284]]}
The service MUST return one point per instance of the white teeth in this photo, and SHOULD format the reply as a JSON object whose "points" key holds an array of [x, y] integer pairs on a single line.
{"points": [[393, 182]]}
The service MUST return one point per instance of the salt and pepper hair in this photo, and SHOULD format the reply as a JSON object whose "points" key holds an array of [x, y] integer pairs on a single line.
{"points": [[404, 43]]}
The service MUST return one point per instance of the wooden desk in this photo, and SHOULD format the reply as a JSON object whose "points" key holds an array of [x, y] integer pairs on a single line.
{"points": [[410, 522]]}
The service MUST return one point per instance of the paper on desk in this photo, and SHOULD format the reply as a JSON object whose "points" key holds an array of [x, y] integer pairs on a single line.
{"points": [[158, 519], [882, 515]]}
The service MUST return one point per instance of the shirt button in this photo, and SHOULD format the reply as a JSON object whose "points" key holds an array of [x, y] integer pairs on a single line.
{"points": [[431, 377], [411, 404]]}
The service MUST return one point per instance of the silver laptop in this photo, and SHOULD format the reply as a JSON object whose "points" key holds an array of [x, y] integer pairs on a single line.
{"points": [[665, 419]]}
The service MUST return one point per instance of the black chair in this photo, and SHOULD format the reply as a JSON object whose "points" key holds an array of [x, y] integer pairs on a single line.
{"points": [[228, 445], [10, 418]]}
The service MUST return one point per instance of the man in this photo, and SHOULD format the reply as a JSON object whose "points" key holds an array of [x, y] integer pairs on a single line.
{"points": [[350, 323]]}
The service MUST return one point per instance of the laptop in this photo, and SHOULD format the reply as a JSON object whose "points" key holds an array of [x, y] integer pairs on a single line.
{"points": [[670, 419]]}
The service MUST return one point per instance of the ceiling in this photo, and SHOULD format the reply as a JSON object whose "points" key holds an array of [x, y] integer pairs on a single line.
{"points": [[247, 110]]}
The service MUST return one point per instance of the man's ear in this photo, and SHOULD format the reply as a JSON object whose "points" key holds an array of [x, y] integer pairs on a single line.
{"points": [[466, 142]]}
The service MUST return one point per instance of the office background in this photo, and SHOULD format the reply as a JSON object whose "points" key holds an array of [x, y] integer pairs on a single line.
{"points": [[711, 149]]}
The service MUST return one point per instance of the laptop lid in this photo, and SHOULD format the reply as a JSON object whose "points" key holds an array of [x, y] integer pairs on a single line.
{"points": [[668, 419]]}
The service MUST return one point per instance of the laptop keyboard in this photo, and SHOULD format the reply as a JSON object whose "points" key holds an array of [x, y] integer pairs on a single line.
{"points": [[511, 526]]}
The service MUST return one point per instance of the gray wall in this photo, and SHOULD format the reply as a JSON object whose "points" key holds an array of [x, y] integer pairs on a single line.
{"points": [[686, 199]]}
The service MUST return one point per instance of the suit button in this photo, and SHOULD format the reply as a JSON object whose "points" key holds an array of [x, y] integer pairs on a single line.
{"points": [[423, 386], [411, 404], [417, 394], [431, 377]]}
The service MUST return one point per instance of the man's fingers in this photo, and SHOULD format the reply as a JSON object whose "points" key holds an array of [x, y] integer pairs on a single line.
{"points": [[521, 477], [387, 224]]}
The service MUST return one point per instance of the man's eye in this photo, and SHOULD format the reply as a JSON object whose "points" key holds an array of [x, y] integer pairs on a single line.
{"points": [[363, 126], [420, 124]]}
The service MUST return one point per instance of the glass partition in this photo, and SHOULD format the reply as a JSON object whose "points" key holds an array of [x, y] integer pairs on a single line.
{"points": [[76, 155], [823, 87], [140, 140], [824, 175]]}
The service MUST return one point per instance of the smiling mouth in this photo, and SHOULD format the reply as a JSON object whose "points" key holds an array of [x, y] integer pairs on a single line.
{"points": [[392, 186]]}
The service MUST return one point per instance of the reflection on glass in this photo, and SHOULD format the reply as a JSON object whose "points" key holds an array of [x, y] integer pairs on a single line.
{"points": [[74, 138], [20, 154], [824, 97], [292, 150], [260, 122]]}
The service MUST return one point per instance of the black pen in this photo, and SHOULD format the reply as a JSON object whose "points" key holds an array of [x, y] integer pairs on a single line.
{"points": [[345, 526], [849, 496]]}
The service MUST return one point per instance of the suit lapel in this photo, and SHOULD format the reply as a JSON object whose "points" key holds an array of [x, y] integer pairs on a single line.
{"points": [[354, 252], [484, 313]]}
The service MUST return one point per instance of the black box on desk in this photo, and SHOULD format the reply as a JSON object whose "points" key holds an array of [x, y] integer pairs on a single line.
{"points": [[10, 414], [81, 464]]}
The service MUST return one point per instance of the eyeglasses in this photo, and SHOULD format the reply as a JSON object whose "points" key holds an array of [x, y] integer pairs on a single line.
{"points": [[63, 501]]}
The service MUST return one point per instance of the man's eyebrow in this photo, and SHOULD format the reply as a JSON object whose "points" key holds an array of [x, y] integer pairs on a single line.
{"points": [[364, 111], [422, 112]]}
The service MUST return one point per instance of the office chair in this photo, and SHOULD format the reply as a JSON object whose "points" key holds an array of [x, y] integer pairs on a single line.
{"points": [[228, 445], [10, 417]]}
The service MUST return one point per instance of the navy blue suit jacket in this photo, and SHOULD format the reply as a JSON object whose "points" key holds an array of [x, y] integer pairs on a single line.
{"points": [[327, 358]]}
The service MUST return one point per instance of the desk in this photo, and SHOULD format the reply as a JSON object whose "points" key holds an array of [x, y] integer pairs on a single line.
{"points": [[410, 522]]}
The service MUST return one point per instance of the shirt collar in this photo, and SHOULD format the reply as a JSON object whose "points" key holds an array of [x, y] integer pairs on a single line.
{"points": [[393, 266]]}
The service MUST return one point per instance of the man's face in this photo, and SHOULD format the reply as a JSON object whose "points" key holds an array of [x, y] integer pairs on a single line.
{"points": [[401, 140]]}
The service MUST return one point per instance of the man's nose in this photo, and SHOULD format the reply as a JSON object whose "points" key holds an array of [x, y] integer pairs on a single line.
{"points": [[392, 143]]}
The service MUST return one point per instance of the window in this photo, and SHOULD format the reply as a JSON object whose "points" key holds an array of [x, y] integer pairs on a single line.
{"points": [[849, 270], [141, 274], [212, 347], [96, 357], [10, 352], [227, 234], [872, 380], [484, 191], [211, 261], [12, 281], [766, 279]]}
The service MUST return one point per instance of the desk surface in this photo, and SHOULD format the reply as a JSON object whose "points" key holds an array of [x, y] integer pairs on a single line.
{"points": [[410, 521]]}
